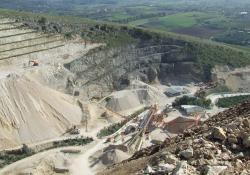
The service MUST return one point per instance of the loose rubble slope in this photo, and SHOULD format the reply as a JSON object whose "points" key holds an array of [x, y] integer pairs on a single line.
{"points": [[221, 145]]}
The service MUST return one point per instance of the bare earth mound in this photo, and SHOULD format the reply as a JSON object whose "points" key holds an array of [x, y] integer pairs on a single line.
{"points": [[107, 157], [130, 100], [30, 112]]}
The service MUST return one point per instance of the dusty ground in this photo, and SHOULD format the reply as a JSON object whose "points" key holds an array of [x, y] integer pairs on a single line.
{"points": [[32, 163]]}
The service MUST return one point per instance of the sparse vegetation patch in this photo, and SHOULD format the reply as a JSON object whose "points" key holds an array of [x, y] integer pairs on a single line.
{"points": [[106, 131], [185, 100], [231, 101], [8, 157]]}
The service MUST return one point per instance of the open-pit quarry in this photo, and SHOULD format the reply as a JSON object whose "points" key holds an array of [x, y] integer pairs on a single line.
{"points": [[71, 106]]}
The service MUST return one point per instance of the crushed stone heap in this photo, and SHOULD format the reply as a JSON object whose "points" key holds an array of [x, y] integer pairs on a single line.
{"points": [[31, 112], [139, 95], [221, 145]]}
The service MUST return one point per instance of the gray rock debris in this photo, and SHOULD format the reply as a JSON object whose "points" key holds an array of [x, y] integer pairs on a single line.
{"points": [[214, 170], [171, 159], [246, 141], [188, 153], [246, 122], [232, 138], [218, 133], [149, 169], [166, 167], [181, 168]]}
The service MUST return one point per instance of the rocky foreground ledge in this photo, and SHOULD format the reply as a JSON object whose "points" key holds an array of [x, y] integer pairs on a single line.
{"points": [[221, 145]]}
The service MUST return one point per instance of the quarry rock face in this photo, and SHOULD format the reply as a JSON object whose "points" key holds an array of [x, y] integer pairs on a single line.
{"points": [[235, 79], [148, 62], [152, 74]]}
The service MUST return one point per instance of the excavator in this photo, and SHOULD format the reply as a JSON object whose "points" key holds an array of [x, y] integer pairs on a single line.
{"points": [[34, 63]]}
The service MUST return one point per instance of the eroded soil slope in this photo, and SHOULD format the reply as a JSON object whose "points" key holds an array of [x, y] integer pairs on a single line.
{"points": [[30, 112]]}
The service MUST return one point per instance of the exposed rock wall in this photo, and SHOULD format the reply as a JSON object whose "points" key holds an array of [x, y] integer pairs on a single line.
{"points": [[152, 56], [235, 79], [114, 68]]}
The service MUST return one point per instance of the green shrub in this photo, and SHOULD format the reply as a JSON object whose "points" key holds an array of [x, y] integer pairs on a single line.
{"points": [[42, 21], [73, 142], [68, 35], [185, 100], [110, 129], [7, 158], [231, 101], [106, 131]]}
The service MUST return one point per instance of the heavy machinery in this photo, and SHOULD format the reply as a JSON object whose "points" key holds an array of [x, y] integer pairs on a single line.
{"points": [[34, 63], [136, 141], [74, 130]]}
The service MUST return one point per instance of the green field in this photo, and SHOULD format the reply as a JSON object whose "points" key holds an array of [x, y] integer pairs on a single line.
{"points": [[118, 16], [141, 22], [174, 21], [206, 25], [212, 19]]}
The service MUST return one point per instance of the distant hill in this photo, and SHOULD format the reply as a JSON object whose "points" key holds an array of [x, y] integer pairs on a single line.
{"points": [[219, 20]]}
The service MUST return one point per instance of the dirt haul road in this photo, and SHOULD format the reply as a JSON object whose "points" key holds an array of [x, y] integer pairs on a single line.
{"points": [[31, 164], [81, 165]]}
